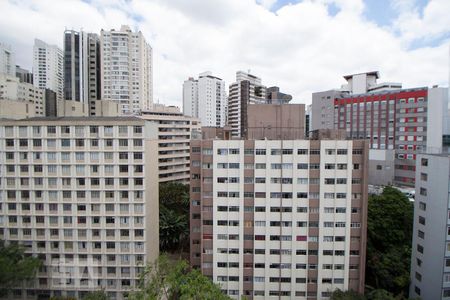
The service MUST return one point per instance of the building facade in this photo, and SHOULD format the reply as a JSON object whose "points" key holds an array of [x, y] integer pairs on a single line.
{"points": [[81, 66], [48, 61], [274, 218], [246, 90], [7, 60], [24, 75], [430, 255], [205, 98], [126, 69], [173, 132], [81, 194], [11, 88], [408, 121], [275, 121]]}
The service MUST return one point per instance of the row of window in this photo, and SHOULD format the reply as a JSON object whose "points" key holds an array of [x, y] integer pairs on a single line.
{"points": [[66, 156], [67, 129], [235, 151], [67, 169], [289, 195], [256, 237], [80, 195], [311, 224], [302, 209], [11, 181], [65, 143]]}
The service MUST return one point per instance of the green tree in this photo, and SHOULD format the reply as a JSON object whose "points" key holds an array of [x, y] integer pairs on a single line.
{"points": [[373, 295], [172, 280], [389, 235], [15, 266], [173, 217], [97, 295]]}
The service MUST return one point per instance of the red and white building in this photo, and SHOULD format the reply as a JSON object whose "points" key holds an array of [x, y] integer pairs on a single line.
{"points": [[408, 121]]}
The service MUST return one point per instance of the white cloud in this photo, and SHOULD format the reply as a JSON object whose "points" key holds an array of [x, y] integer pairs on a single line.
{"points": [[300, 48]]}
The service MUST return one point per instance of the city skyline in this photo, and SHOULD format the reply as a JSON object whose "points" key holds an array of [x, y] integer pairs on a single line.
{"points": [[217, 39]]}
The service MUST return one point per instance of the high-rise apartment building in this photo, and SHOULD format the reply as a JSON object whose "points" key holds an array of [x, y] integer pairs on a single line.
{"points": [[81, 66], [430, 255], [7, 60], [173, 132], [126, 69], [205, 98], [48, 63], [279, 218], [407, 121], [246, 90], [80, 193]]}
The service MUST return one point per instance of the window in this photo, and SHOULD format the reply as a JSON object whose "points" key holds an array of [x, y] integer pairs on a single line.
{"points": [[424, 162]]}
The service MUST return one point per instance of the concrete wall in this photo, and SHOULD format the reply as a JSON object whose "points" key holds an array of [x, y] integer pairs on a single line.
{"points": [[273, 121], [16, 109], [381, 167]]}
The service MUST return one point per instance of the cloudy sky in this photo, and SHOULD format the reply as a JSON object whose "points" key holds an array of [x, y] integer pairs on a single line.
{"points": [[301, 46]]}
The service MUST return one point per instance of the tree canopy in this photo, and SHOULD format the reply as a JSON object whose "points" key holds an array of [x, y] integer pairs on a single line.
{"points": [[173, 216], [389, 235], [15, 266], [170, 280]]}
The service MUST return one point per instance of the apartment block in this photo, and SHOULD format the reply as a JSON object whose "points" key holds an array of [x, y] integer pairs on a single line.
{"points": [[81, 66], [205, 98], [408, 121], [173, 132], [279, 218], [81, 194], [430, 255], [126, 69], [246, 90], [48, 63]]}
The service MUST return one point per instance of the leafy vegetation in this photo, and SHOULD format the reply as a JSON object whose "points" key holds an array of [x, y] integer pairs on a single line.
{"points": [[389, 236], [15, 266], [351, 295], [173, 217], [166, 279]]}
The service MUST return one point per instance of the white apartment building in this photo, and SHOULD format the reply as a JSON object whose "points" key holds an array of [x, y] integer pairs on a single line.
{"points": [[48, 67], [80, 193], [12, 89], [246, 90], [275, 219], [7, 60], [173, 132], [126, 69], [430, 253], [205, 98]]}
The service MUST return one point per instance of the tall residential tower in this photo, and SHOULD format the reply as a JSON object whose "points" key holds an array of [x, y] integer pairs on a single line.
{"points": [[81, 66], [126, 69], [205, 98], [48, 68]]}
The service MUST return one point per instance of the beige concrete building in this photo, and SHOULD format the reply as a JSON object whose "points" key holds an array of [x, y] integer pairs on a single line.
{"points": [[173, 132], [12, 89], [82, 195], [275, 121], [279, 219]]}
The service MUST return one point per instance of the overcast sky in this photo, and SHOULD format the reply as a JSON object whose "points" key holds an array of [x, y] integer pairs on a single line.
{"points": [[300, 46]]}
